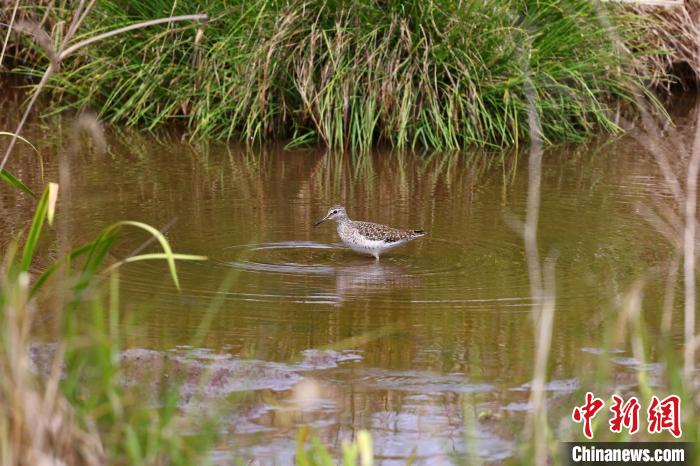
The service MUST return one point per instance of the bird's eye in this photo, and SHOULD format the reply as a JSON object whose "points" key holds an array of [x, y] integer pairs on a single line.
{"points": [[334, 212]]}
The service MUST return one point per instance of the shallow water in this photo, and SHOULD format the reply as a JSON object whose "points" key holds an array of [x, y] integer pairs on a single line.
{"points": [[413, 347]]}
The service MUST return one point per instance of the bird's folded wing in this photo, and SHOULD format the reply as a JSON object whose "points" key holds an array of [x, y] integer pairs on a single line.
{"points": [[376, 232]]}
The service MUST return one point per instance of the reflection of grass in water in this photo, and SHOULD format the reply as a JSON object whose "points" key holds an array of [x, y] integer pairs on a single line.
{"points": [[401, 178]]}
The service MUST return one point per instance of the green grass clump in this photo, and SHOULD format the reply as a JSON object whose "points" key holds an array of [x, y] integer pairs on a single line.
{"points": [[354, 73]]}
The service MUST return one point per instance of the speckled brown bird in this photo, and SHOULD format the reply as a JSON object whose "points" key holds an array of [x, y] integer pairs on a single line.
{"points": [[365, 237]]}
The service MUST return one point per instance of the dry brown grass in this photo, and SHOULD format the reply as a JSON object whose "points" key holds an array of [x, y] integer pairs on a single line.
{"points": [[37, 424], [674, 30]]}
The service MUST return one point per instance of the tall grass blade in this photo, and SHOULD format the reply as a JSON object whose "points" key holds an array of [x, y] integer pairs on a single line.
{"points": [[168, 252], [10, 179], [45, 208], [7, 133], [51, 202], [154, 256], [51, 269]]}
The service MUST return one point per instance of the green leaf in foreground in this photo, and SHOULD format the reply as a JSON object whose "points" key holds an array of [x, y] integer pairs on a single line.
{"points": [[156, 255], [45, 208], [7, 176], [98, 249], [167, 250]]}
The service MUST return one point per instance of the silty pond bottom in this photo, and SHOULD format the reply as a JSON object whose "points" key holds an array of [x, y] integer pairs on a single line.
{"points": [[430, 348]]}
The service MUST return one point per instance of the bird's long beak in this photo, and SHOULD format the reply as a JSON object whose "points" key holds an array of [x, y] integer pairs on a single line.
{"points": [[321, 221]]}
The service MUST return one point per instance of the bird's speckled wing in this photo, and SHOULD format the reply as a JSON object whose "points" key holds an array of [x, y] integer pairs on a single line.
{"points": [[377, 232]]}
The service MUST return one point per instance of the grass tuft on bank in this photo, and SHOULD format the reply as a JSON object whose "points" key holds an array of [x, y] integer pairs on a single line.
{"points": [[351, 74]]}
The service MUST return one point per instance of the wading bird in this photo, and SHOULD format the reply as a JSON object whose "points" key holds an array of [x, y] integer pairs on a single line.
{"points": [[365, 237]]}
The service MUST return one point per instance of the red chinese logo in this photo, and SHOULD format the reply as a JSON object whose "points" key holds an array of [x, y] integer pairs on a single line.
{"points": [[661, 415], [665, 415], [586, 413], [624, 415]]}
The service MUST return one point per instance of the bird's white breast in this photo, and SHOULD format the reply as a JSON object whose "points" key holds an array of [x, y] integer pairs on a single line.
{"points": [[359, 243]]}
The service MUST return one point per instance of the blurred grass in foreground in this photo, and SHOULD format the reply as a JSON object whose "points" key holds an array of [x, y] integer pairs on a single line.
{"points": [[73, 410]]}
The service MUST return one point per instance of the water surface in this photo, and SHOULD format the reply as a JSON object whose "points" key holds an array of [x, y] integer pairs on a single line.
{"points": [[421, 347]]}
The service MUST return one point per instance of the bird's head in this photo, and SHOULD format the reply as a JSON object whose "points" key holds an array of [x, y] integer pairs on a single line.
{"points": [[336, 212]]}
